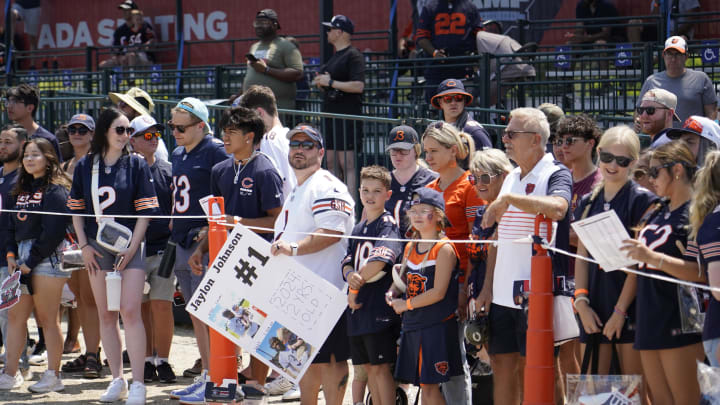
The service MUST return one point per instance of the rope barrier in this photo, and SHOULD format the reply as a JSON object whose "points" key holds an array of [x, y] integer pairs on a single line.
{"points": [[221, 221]]}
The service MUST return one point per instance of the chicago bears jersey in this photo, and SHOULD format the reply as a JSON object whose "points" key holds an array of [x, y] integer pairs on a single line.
{"points": [[158, 230], [125, 188], [7, 182], [402, 193], [420, 278], [250, 190], [450, 25], [375, 315], [478, 252], [706, 249], [630, 203], [321, 202], [657, 305], [191, 182]]}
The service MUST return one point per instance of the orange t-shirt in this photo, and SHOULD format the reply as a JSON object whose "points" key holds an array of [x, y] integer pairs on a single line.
{"points": [[461, 204]]}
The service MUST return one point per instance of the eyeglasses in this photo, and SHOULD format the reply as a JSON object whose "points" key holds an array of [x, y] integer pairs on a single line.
{"points": [[649, 110], [450, 97], [180, 128], [639, 174], [78, 130], [511, 134], [12, 101], [654, 171], [413, 212], [124, 130], [569, 141], [307, 145], [484, 178], [148, 135], [622, 161]]}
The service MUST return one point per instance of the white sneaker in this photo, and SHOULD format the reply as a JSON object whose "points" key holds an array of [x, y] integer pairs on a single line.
{"points": [[49, 382], [278, 386], [8, 382], [137, 394], [116, 390], [26, 373], [292, 395], [38, 359]]}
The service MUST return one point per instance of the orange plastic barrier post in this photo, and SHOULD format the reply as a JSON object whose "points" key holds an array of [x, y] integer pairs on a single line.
{"points": [[539, 365], [223, 361]]}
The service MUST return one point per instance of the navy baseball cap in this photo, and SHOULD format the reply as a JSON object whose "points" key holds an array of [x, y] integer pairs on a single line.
{"points": [[308, 130], [84, 120], [402, 137], [450, 86], [341, 22], [429, 196], [270, 14]]}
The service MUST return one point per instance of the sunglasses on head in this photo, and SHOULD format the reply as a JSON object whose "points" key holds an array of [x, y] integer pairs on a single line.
{"points": [[649, 110], [148, 135], [307, 145], [622, 161], [78, 130], [448, 98], [569, 141], [124, 130], [180, 128], [484, 178], [654, 171]]}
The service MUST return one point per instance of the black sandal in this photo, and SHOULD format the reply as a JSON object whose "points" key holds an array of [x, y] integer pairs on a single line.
{"points": [[92, 367], [75, 366]]}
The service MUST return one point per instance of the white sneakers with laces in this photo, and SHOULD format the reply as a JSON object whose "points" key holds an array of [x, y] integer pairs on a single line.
{"points": [[117, 389], [8, 382], [137, 394], [49, 382]]}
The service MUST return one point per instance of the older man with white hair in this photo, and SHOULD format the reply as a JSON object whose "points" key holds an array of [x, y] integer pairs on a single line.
{"points": [[539, 185]]}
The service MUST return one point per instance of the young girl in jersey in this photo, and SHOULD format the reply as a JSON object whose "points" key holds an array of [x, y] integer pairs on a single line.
{"points": [[407, 174], [33, 242], [429, 352], [124, 188], [704, 242], [605, 301], [668, 350]]}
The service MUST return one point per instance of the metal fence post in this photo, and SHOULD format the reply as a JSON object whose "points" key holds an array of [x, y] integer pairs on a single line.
{"points": [[647, 61], [105, 83], [483, 80], [219, 81]]}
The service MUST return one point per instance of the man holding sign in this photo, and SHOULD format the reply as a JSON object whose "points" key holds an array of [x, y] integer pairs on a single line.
{"points": [[314, 217]]}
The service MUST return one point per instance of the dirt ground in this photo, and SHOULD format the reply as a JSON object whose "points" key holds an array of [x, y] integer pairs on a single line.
{"points": [[82, 391]]}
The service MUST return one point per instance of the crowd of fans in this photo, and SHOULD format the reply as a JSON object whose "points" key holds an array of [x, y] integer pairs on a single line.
{"points": [[414, 287]]}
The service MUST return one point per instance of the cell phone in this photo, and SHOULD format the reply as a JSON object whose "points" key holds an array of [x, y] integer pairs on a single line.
{"points": [[251, 57]]}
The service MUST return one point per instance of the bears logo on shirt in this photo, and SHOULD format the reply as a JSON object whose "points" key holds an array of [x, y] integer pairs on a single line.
{"points": [[442, 367], [415, 284]]}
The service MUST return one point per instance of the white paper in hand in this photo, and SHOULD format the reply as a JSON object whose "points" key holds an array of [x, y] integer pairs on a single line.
{"points": [[602, 236]]}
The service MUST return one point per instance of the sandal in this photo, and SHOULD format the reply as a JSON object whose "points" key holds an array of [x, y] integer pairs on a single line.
{"points": [[76, 365], [92, 367]]}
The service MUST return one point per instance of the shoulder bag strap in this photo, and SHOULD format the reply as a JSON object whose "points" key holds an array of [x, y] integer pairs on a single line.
{"points": [[94, 187]]}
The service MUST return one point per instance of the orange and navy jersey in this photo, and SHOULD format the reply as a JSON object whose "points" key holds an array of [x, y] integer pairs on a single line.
{"points": [[461, 204], [420, 272], [450, 26], [124, 188]]}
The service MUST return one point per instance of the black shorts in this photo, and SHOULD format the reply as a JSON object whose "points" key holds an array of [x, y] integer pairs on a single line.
{"points": [[336, 343], [375, 348], [508, 330]]}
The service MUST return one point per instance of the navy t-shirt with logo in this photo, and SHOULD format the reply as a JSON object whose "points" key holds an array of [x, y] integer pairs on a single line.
{"points": [[402, 193], [158, 231], [249, 191]]}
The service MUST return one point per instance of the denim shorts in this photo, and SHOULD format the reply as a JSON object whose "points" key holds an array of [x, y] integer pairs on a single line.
{"points": [[49, 267]]}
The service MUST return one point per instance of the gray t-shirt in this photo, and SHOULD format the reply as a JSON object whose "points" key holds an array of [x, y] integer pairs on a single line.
{"points": [[279, 54], [693, 89]]}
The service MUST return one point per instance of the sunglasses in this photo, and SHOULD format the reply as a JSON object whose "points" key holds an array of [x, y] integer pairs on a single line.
{"points": [[511, 134], [649, 110], [622, 161], [654, 171], [124, 130], [180, 128], [78, 130], [307, 145], [484, 178], [149, 135], [569, 141], [639, 174], [450, 97]]}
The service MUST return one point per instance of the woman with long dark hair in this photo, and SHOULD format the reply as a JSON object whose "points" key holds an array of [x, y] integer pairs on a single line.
{"points": [[33, 250], [123, 187]]}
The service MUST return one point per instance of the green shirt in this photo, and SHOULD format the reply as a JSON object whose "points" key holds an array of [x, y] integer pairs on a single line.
{"points": [[278, 54]]}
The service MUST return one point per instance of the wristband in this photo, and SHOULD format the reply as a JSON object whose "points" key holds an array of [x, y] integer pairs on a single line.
{"points": [[581, 298], [353, 291], [408, 304], [435, 53], [330, 83], [662, 259], [294, 248], [9, 255], [619, 311], [580, 291]]}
